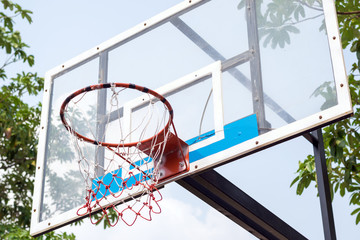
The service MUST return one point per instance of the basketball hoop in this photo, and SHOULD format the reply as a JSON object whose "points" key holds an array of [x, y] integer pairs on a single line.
{"points": [[124, 171]]}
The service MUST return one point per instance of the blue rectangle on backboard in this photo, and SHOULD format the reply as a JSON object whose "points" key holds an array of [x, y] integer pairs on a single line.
{"points": [[234, 133]]}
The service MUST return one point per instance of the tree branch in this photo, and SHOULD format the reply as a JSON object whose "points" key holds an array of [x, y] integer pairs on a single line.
{"points": [[14, 16], [317, 8], [349, 13], [10, 60], [293, 23]]}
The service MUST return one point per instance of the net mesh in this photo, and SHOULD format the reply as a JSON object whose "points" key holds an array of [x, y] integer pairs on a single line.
{"points": [[119, 145]]}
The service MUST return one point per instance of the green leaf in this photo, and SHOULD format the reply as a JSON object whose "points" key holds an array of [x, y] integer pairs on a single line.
{"points": [[31, 60], [342, 189], [339, 154], [354, 46], [8, 48], [300, 188], [347, 177], [357, 136], [351, 140], [309, 166], [336, 188], [294, 181]]}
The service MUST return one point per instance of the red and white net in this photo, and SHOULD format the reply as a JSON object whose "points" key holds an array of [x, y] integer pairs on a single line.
{"points": [[119, 139]]}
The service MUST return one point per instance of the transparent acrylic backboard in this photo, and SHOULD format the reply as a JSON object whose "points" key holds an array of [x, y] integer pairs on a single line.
{"points": [[240, 75]]}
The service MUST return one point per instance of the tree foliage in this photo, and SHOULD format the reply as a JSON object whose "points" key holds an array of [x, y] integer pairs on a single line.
{"points": [[19, 122], [278, 20], [342, 139]]}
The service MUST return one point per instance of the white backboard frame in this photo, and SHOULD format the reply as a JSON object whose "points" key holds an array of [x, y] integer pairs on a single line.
{"points": [[341, 110]]}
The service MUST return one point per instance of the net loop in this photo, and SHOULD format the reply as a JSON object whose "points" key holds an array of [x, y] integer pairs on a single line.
{"points": [[122, 158]]}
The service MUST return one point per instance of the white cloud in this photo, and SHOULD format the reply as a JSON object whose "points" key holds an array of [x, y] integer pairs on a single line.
{"points": [[178, 221]]}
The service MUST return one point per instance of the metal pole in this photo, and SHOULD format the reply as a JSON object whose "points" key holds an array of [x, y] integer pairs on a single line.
{"points": [[323, 186], [255, 66], [229, 65], [101, 111]]}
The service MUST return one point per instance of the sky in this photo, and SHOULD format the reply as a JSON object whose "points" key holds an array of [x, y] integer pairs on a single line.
{"points": [[64, 29]]}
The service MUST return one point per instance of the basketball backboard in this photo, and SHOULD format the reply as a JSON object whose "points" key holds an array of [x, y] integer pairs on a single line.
{"points": [[240, 76]]}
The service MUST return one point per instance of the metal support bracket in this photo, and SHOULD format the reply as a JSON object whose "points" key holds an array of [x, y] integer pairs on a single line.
{"points": [[323, 185], [229, 200]]}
